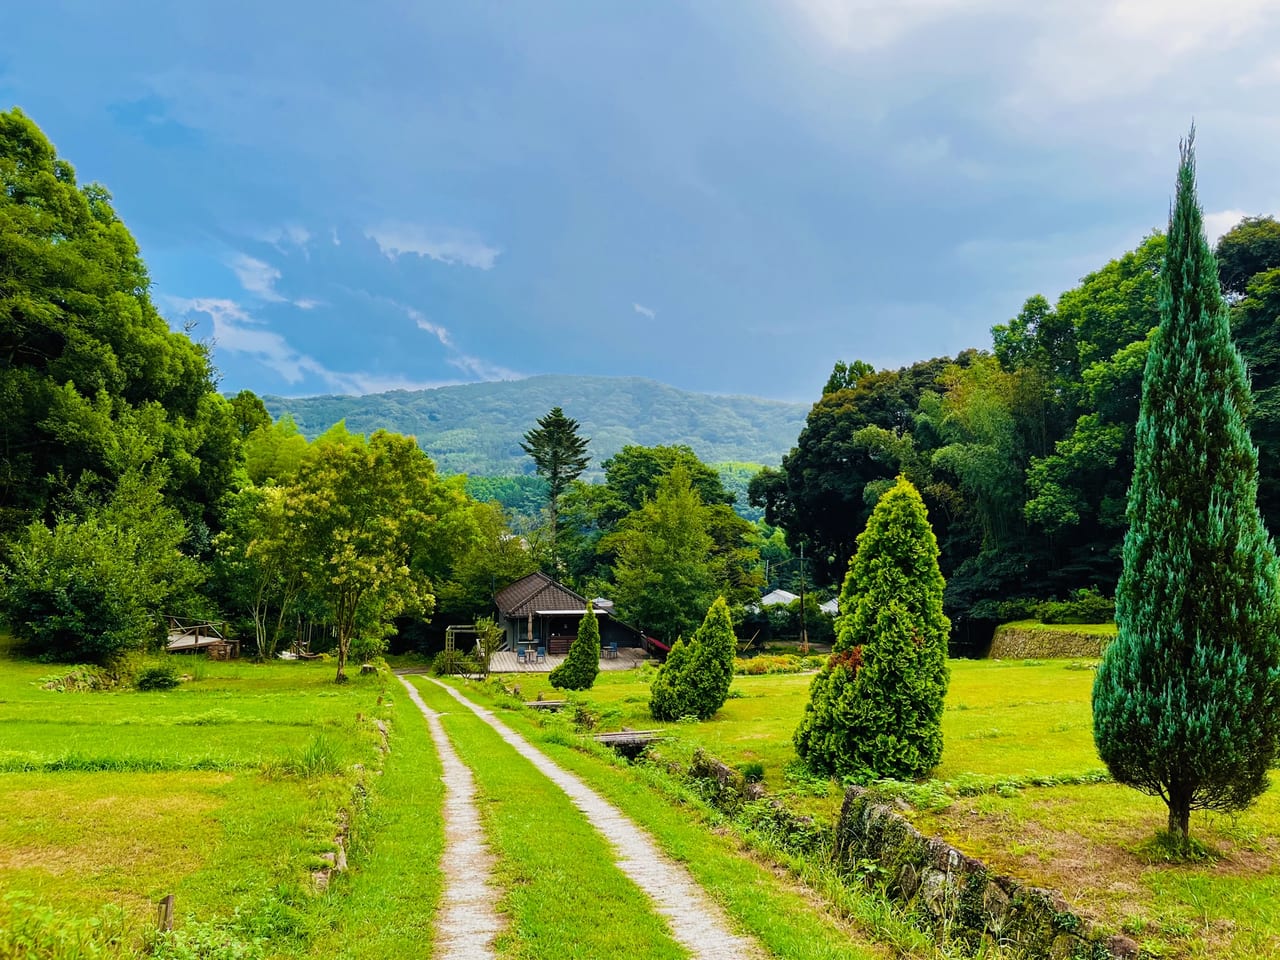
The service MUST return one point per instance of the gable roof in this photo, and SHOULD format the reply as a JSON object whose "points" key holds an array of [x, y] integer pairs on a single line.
{"points": [[775, 597], [536, 592]]}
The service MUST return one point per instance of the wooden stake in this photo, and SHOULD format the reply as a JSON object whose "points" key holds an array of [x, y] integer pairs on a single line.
{"points": [[164, 914]]}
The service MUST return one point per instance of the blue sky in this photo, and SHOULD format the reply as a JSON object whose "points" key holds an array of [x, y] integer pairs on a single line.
{"points": [[726, 195]]}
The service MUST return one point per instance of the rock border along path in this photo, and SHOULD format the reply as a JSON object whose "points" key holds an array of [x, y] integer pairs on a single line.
{"points": [[696, 922], [467, 922]]}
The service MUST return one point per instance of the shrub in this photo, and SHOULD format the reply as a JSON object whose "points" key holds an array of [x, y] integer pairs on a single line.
{"points": [[1084, 606], [578, 672], [875, 709], [694, 681], [157, 676], [454, 662], [92, 588]]}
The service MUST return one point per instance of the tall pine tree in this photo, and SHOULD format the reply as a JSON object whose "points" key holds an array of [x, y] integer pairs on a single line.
{"points": [[559, 455], [1187, 699], [875, 709]]}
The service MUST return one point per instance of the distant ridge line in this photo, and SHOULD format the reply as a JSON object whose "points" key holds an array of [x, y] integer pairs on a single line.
{"points": [[475, 428]]}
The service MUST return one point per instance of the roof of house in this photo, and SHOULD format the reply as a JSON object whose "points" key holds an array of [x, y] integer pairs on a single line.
{"points": [[536, 592], [774, 597], [831, 606]]}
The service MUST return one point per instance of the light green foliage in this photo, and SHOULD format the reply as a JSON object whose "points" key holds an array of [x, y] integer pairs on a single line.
{"points": [[875, 710], [275, 451], [694, 681], [97, 587], [1255, 324], [94, 383], [358, 511], [578, 672], [663, 574], [1187, 700]]}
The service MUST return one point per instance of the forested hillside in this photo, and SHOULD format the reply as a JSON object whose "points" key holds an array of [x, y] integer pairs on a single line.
{"points": [[476, 428]]}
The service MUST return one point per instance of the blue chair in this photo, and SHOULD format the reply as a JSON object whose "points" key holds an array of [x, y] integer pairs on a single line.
{"points": [[522, 655], [542, 655], [611, 651]]}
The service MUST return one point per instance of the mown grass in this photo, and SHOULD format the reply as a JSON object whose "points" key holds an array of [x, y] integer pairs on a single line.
{"points": [[224, 792], [1008, 723], [384, 908], [555, 874], [1002, 718], [790, 920], [1092, 629]]}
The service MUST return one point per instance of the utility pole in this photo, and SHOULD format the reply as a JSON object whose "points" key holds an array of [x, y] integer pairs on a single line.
{"points": [[804, 633]]}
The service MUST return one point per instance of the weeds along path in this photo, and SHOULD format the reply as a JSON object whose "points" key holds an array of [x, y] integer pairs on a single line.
{"points": [[696, 923], [467, 922]]}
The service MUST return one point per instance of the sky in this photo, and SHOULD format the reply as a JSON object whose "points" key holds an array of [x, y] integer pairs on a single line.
{"points": [[727, 195]]}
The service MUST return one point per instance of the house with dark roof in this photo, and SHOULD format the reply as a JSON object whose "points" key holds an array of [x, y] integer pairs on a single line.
{"points": [[538, 609]]}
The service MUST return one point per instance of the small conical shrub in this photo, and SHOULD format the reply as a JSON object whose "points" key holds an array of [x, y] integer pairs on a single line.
{"points": [[875, 709], [694, 682], [578, 672]]}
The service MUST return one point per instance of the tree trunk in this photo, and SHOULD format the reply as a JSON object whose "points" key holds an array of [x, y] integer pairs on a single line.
{"points": [[1180, 816]]}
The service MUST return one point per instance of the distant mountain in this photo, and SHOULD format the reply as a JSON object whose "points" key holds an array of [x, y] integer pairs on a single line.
{"points": [[475, 428]]}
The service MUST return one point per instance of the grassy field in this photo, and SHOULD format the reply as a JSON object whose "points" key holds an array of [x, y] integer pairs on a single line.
{"points": [[224, 792], [1007, 723], [788, 919]]}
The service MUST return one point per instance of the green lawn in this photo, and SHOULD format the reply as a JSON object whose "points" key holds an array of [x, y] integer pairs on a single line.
{"points": [[790, 920], [1014, 720], [223, 792]]}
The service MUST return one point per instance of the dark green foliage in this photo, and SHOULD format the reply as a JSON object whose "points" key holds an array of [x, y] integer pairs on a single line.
{"points": [[1249, 248], [578, 672], [694, 681], [875, 709], [94, 588], [1083, 606], [157, 676], [559, 455], [1187, 699], [1255, 324], [93, 382]]}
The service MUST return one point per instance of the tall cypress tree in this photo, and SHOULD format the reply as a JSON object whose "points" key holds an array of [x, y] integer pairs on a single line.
{"points": [[1187, 699], [875, 709], [559, 455]]}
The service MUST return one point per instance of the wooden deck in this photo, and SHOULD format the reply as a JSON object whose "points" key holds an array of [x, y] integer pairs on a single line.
{"points": [[505, 661]]}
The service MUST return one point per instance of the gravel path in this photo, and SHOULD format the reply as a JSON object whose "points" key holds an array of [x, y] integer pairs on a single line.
{"points": [[467, 922], [696, 922]]}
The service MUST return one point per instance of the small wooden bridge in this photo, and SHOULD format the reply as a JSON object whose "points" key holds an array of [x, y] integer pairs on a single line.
{"points": [[191, 636]]}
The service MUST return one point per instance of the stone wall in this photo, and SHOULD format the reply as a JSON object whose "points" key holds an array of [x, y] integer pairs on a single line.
{"points": [[1023, 641], [957, 895]]}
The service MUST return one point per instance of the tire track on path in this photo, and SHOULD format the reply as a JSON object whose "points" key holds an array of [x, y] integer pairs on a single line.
{"points": [[467, 922], [696, 922]]}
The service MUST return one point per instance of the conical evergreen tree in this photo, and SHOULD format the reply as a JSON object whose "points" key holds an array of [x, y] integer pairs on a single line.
{"points": [[875, 709], [580, 667], [694, 682], [1187, 700]]}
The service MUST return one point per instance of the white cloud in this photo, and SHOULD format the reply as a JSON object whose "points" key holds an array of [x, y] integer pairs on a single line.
{"points": [[398, 239], [474, 367], [1216, 224], [236, 331], [861, 25], [289, 235], [333, 235], [644, 311], [257, 277]]}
